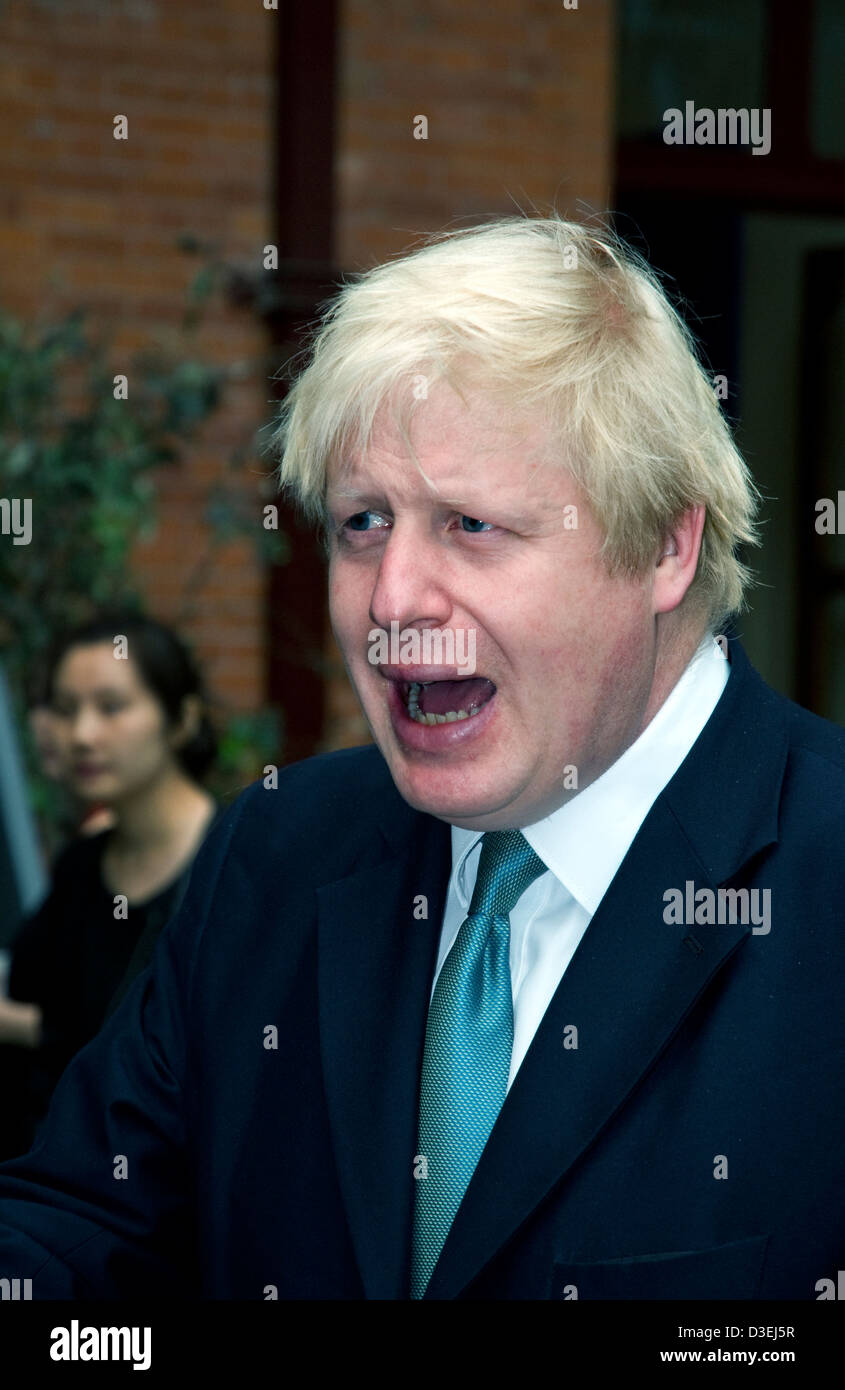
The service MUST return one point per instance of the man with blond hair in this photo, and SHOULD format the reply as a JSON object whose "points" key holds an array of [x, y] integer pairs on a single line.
{"points": [[539, 995]]}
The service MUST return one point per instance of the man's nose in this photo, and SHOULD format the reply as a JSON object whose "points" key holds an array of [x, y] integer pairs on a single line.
{"points": [[410, 586]]}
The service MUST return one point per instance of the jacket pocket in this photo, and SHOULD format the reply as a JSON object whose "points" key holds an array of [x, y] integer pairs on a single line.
{"points": [[723, 1271]]}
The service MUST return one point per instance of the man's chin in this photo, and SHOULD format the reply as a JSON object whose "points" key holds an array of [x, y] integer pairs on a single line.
{"points": [[436, 793]]}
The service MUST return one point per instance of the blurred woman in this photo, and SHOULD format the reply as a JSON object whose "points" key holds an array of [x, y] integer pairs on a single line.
{"points": [[133, 735]]}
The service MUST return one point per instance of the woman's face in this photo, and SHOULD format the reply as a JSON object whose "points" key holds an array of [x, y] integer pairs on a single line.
{"points": [[111, 730]]}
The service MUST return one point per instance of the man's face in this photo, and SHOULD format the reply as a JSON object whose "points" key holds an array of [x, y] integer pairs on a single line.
{"points": [[564, 655]]}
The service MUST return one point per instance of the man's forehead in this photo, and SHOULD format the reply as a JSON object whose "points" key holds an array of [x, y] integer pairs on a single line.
{"points": [[397, 480], [442, 462]]}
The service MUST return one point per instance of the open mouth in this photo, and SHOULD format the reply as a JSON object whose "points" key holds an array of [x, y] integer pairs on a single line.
{"points": [[444, 702]]}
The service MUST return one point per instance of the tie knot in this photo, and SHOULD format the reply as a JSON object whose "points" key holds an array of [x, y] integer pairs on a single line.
{"points": [[506, 867]]}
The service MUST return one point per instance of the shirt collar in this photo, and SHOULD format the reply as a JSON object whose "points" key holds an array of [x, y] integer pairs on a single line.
{"points": [[585, 841]]}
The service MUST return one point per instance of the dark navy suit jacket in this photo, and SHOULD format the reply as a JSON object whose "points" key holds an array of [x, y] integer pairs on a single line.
{"points": [[258, 1086]]}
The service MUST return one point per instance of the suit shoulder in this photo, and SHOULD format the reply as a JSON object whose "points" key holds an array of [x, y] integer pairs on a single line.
{"points": [[817, 737], [344, 772], [323, 815], [321, 788], [814, 779]]}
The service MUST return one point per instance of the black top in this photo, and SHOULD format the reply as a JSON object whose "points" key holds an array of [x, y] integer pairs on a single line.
{"points": [[75, 959]]}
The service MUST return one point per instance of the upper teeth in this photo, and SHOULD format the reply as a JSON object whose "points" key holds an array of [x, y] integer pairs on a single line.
{"points": [[448, 718]]}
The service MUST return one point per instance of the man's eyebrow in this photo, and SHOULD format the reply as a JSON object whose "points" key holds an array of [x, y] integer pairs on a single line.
{"points": [[502, 508], [353, 494]]}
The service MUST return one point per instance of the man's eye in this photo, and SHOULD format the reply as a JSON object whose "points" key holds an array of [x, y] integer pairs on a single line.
{"points": [[362, 522], [358, 522]]}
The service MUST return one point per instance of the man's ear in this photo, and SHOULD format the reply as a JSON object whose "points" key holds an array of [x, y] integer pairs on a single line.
{"points": [[678, 560]]}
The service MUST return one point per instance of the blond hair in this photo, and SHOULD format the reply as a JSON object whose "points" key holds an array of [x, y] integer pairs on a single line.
{"points": [[550, 316]]}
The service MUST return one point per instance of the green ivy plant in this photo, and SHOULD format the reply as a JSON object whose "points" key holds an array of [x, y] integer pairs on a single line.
{"points": [[87, 463]]}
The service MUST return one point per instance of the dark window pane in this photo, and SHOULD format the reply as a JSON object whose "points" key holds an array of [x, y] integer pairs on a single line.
{"points": [[671, 52], [827, 113]]}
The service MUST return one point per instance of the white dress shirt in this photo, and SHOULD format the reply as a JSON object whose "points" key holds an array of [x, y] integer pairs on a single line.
{"points": [[583, 844]]}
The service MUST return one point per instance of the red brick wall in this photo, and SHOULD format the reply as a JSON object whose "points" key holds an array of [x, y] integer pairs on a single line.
{"points": [[518, 96], [88, 219]]}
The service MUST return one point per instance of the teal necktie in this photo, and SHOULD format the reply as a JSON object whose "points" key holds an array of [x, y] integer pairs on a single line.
{"points": [[468, 1045]]}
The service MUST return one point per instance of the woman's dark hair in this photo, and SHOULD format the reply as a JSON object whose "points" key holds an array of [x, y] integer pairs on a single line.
{"points": [[167, 668]]}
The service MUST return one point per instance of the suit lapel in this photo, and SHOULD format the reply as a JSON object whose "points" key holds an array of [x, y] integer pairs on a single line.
{"points": [[376, 960], [627, 989]]}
